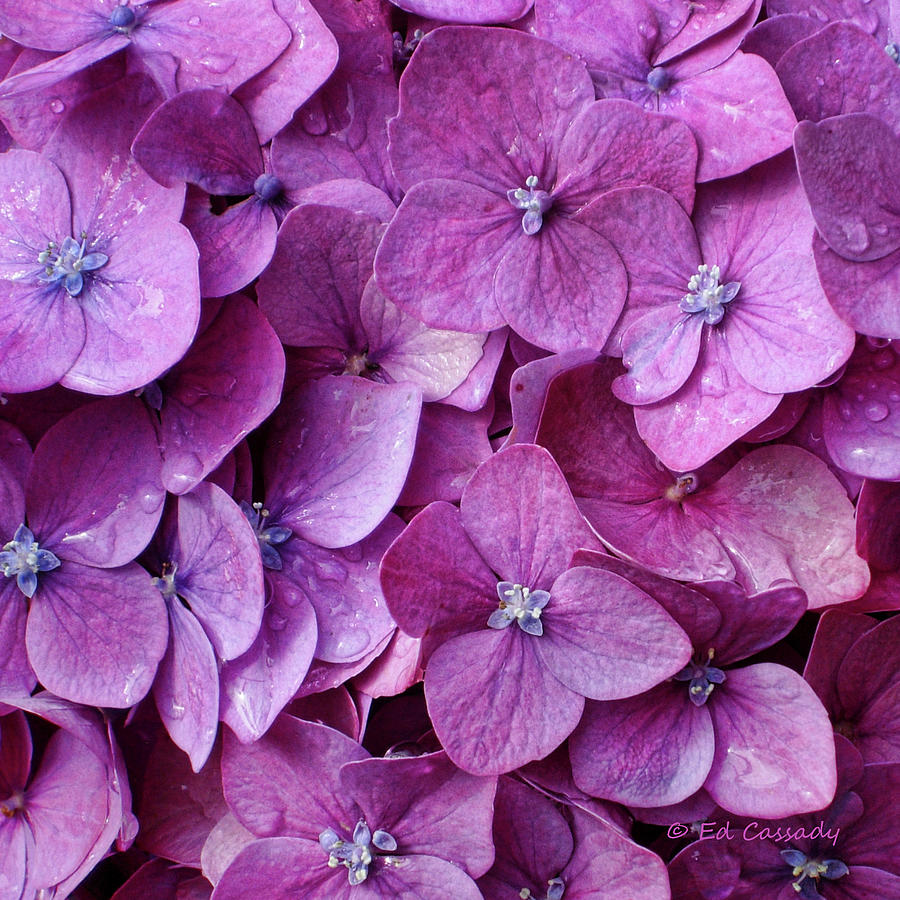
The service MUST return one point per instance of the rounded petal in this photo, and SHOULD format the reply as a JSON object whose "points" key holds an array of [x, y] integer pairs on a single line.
{"points": [[774, 745], [95, 636]]}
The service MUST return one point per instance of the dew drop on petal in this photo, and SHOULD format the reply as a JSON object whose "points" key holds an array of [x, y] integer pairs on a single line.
{"points": [[57, 106], [194, 21], [876, 411]]}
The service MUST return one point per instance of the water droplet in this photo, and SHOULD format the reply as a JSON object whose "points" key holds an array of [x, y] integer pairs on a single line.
{"points": [[218, 63], [150, 500], [817, 13], [876, 411], [194, 21], [845, 411], [857, 236], [277, 622], [176, 711], [894, 396], [820, 81], [57, 106]]}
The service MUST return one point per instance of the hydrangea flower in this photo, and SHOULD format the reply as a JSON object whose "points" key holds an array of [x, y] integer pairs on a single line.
{"points": [[493, 227], [78, 302], [844, 851], [318, 292], [502, 595], [219, 151], [757, 739], [179, 42], [543, 855], [96, 626], [724, 320], [776, 513], [351, 825], [681, 59]]}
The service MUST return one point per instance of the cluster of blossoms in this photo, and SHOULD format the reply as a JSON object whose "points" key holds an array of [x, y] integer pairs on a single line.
{"points": [[449, 448]]}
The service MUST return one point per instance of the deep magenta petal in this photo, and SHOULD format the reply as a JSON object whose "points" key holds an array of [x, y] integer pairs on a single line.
{"points": [[199, 34], [774, 745], [186, 688], [88, 500], [856, 216], [219, 571], [257, 685], [312, 288], [650, 750], [606, 638], [495, 706], [435, 559], [519, 513], [67, 807], [222, 389], [562, 288], [272, 96], [264, 791], [95, 636], [439, 254], [204, 137], [496, 146]]}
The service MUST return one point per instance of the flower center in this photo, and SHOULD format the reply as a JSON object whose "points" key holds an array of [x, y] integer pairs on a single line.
{"points": [[268, 536], [702, 677], [12, 805], [122, 19], [268, 187], [658, 79], [166, 581], [67, 262], [556, 887], [804, 868], [707, 296], [519, 604], [684, 485], [23, 558], [535, 203], [356, 854]]}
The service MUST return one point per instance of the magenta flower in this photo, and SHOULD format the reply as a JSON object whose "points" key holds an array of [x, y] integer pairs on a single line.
{"points": [[96, 626], [178, 42], [336, 823], [78, 302], [732, 519], [681, 60], [493, 228], [757, 739], [544, 637], [723, 319]]}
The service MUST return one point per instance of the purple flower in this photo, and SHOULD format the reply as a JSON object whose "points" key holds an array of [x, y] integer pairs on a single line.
{"points": [[493, 227], [95, 624], [756, 738], [682, 61], [543, 638], [777, 513], [207, 138], [182, 44], [724, 318], [543, 855], [78, 301], [846, 851], [334, 822]]}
